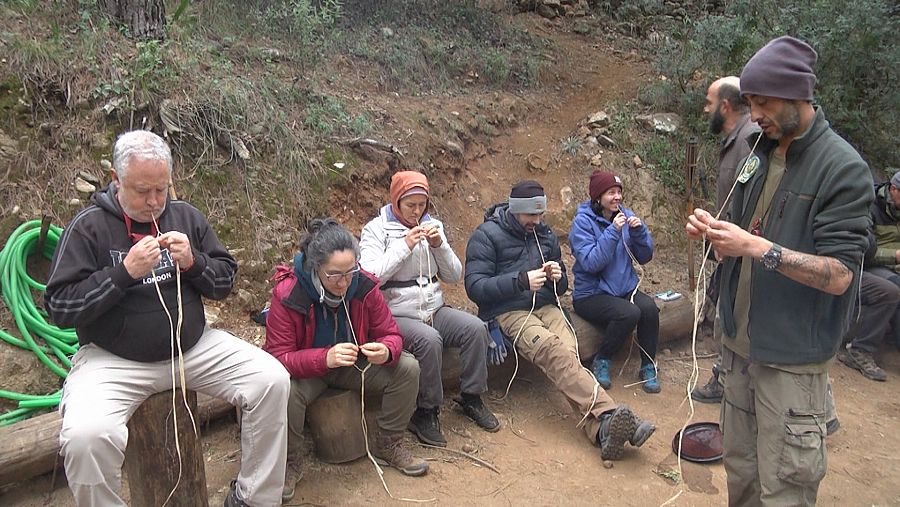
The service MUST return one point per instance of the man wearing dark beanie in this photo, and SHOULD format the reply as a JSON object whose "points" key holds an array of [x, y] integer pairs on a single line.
{"points": [[514, 272], [792, 251]]}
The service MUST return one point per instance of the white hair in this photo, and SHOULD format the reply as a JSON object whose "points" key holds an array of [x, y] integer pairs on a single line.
{"points": [[142, 144]]}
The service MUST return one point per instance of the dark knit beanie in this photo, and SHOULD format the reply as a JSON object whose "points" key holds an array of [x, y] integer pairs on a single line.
{"points": [[601, 181], [782, 69], [527, 188]]}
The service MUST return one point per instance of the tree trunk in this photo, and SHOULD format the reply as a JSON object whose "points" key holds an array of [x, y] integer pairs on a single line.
{"points": [[151, 459], [144, 19]]}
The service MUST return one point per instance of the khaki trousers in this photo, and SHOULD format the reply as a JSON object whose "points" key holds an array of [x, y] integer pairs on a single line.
{"points": [[103, 390], [548, 343], [773, 423]]}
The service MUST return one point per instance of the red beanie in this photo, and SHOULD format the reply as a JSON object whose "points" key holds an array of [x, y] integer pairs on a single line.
{"points": [[401, 184], [601, 181]]}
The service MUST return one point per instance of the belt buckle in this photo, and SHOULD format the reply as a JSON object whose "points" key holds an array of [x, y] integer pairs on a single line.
{"points": [[422, 281]]}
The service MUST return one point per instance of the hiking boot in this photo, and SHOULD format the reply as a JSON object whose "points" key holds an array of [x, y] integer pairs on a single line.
{"points": [[832, 426], [292, 475], [649, 377], [864, 362], [425, 425], [616, 427], [232, 499], [712, 392], [642, 431], [390, 451], [474, 408], [600, 368]]}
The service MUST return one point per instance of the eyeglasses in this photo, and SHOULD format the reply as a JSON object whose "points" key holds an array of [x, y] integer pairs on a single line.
{"points": [[333, 277]]}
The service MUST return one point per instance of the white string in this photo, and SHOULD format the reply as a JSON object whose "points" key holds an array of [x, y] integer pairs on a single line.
{"points": [[698, 309], [175, 342], [362, 410], [653, 361]]}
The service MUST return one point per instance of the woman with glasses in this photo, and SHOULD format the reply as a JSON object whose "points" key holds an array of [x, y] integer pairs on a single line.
{"points": [[327, 323], [607, 239], [407, 250]]}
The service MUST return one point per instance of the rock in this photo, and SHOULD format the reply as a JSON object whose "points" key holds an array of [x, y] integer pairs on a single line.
{"points": [[8, 147], [244, 297], [638, 162], [664, 123], [212, 315], [470, 199], [15, 210], [598, 120], [583, 131], [271, 54], [546, 11], [567, 196], [607, 463], [606, 141], [84, 187], [88, 177], [597, 160], [106, 165], [455, 149], [469, 448], [74, 202], [591, 141], [599, 131], [387, 32], [99, 141], [536, 162]]}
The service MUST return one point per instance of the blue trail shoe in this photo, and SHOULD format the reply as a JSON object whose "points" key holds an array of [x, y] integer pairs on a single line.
{"points": [[649, 378], [600, 368]]}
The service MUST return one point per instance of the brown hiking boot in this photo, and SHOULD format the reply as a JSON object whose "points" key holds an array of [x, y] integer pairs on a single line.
{"points": [[292, 475], [390, 451], [712, 392], [864, 362]]}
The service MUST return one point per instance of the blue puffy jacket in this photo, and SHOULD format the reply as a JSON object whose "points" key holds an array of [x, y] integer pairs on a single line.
{"points": [[602, 265], [497, 252]]}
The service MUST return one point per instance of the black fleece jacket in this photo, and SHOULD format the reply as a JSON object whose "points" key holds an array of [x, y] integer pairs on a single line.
{"points": [[90, 289]]}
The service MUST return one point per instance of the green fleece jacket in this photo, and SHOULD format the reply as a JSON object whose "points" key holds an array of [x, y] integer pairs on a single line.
{"points": [[821, 207], [886, 218]]}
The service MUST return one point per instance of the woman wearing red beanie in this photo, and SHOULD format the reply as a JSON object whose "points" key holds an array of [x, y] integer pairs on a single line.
{"points": [[605, 236]]}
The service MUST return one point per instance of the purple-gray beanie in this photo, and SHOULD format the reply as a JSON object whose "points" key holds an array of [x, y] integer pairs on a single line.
{"points": [[783, 69]]}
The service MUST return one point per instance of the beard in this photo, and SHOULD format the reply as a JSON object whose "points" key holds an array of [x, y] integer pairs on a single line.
{"points": [[716, 122], [789, 121]]}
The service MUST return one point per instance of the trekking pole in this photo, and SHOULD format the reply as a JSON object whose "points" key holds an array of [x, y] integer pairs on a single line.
{"points": [[690, 165]]}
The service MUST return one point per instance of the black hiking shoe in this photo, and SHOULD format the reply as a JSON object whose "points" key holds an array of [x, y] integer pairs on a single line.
{"points": [[474, 408], [616, 427], [425, 426], [712, 392], [232, 499], [864, 362]]}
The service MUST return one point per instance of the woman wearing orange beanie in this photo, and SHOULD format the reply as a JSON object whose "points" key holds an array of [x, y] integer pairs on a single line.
{"points": [[407, 250]]}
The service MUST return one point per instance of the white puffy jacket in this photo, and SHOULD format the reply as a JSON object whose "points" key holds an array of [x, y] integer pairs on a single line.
{"points": [[384, 253]]}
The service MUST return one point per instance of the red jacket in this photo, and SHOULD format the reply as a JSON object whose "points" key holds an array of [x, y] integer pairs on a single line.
{"points": [[290, 327]]}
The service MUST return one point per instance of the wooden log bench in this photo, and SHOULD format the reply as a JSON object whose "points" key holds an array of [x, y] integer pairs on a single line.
{"points": [[152, 457]]}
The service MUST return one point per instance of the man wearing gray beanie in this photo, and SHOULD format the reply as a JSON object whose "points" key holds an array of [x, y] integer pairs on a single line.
{"points": [[514, 272], [792, 250]]}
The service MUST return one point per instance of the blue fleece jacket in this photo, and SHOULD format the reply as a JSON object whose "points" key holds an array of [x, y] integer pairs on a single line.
{"points": [[602, 265]]}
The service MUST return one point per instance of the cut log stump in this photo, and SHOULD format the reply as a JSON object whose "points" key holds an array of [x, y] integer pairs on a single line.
{"points": [[151, 458], [336, 427]]}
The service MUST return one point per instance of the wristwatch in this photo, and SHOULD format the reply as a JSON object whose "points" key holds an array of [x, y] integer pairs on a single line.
{"points": [[772, 258]]}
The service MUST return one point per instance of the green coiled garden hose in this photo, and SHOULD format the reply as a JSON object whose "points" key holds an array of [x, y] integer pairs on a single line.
{"points": [[19, 290]]}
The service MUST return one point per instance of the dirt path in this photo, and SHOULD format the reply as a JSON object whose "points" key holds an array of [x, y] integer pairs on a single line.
{"points": [[542, 457]]}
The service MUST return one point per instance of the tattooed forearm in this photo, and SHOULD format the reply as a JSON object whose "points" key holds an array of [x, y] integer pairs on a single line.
{"points": [[824, 273]]}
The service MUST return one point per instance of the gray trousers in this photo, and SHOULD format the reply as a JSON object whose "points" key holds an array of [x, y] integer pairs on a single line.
{"points": [[773, 424], [450, 328], [398, 385], [103, 390], [879, 309]]}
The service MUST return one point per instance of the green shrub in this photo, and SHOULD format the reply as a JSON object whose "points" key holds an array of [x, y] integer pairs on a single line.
{"points": [[858, 67]]}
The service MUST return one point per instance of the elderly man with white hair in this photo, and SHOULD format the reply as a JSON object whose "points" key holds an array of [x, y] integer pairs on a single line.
{"points": [[114, 277]]}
